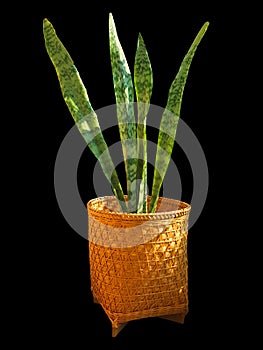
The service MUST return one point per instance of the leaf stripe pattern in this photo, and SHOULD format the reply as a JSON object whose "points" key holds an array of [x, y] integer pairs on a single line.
{"points": [[170, 118], [77, 100], [143, 82], [124, 94]]}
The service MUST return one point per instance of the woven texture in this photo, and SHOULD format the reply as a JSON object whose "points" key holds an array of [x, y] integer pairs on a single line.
{"points": [[138, 262]]}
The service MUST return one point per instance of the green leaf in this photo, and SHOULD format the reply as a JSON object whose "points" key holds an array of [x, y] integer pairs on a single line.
{"points": [[124, 94], [170, 118], [143, 79], [77, 100], [143, 82]]}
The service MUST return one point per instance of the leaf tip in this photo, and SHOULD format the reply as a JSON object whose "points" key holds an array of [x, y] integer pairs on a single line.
{"points": [[140, 41], [111, 20], [45, 22], [140, 38], [203, 29], [47, 25], [206, 25]]}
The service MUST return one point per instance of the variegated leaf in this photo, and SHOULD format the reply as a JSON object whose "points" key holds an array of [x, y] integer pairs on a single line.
{"points": [[143, 79], [124, 93], [143, 82], [77, 100], [170, 118]]}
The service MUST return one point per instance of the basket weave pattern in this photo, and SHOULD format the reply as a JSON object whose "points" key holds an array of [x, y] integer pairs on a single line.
{"points": [[138, 262]]}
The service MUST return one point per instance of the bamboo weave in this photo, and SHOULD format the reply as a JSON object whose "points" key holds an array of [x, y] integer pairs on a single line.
{"points": [[138, 262]]}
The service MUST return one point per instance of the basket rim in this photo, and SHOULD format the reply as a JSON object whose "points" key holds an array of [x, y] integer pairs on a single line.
{"points": [[157, 214]]}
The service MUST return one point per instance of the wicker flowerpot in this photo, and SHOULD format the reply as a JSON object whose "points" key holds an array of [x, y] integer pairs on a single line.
{"points": [[138, 262]]}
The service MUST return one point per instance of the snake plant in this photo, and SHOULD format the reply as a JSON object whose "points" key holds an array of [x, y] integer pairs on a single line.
{"points": [[131, 123]]}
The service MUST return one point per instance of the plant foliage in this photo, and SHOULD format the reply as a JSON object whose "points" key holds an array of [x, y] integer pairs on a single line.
{"points": [[132, 130]]}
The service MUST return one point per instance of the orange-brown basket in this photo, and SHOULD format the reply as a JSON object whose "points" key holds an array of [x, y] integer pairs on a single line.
{"points": [[138, 262]]}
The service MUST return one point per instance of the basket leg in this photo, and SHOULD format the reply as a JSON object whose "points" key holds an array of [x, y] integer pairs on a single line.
{"points": [[95, 300], [179, 318], [116, 330]]}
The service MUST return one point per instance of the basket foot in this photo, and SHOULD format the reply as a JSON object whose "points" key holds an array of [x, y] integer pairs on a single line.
{"points": [[116, 330], [95, 300], [179, 318]]}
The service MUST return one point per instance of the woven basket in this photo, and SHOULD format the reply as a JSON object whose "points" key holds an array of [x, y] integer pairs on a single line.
{"points": [[138, 262]]}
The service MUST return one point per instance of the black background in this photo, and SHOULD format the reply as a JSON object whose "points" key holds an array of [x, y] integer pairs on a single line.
{"points": [[54, 285]]}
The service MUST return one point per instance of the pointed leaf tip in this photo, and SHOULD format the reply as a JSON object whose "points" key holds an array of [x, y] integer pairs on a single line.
{"points": [[111, 20], [140, 40], [46, 22], [112, 26], [47, 25]]}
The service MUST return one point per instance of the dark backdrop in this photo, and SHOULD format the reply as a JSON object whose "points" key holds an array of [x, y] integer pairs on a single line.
{"points": [[55, 286]]}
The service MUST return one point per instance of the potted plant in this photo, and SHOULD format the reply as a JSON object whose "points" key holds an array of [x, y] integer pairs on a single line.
{"points": [[137, 240]]}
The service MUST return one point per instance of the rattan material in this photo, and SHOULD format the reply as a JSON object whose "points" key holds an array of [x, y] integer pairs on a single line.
{"points": [[138, 262]]}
